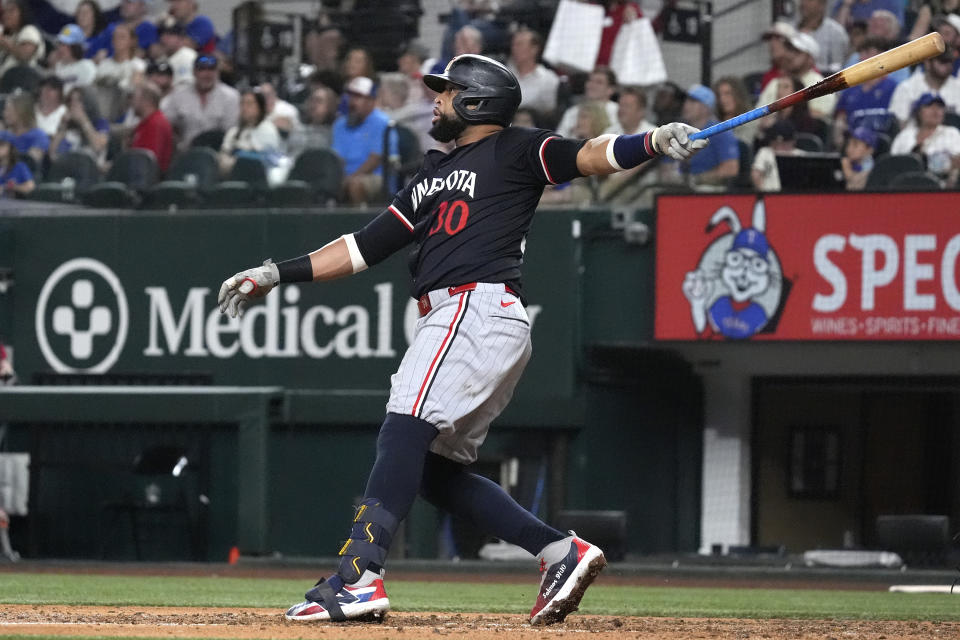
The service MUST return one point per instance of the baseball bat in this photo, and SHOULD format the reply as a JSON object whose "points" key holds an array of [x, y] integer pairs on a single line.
{"points": [[915, 51]]}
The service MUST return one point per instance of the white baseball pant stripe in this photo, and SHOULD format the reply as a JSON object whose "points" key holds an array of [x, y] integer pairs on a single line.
{"points": [[460, 371]]}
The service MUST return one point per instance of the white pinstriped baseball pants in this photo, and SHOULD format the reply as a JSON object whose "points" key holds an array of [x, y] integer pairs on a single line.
{"points": [[460, 371]]}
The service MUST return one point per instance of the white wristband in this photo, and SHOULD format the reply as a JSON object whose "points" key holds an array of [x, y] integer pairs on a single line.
{"points": [[356, 258]]}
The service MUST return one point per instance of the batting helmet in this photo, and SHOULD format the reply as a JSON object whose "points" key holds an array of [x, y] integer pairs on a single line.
{"points": [[489, 92]]}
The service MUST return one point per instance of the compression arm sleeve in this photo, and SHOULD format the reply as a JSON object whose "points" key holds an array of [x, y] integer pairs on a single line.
{"points": [[383, 236]]}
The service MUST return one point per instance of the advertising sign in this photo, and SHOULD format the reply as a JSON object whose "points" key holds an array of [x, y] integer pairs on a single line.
{"points": [[808, 267]]}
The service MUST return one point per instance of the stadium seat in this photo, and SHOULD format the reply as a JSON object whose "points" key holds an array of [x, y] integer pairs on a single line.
{"points": [[883, 145], [136, 168], [171, 194], [808, 142], [951, 119], [916, 181], [212, 139], [21, 77], [231, 195], [889, 167], [79, 166], [322, 169], [200, 162], [743, 181], [292, 193], [250, 170], [753, 83], [401, 167], [110, 195]]}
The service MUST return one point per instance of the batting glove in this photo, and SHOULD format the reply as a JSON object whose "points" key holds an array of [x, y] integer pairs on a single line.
{"points": [[237, 290], [674, 140]]}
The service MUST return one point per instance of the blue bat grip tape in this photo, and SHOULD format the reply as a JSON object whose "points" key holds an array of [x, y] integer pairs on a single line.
{"points": [[736, 121]]}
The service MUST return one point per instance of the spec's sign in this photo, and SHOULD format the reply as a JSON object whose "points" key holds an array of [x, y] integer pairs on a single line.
{"points": [[805, 267]]}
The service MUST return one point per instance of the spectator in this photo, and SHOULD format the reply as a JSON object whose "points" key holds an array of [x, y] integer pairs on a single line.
{"points": [[779, 139], [733, 100], [525, 117], [281, 113], [71, 66], [199, 28], [20, 43], [90, 19], [885, 24], [720, 160], [133, 13], [934, 18], [124, 69], [82, 128], [777, 36], [857, 160], [538, 85], [358, 140], [393, 98], [600, 86], [21, 122], [254, 136], [322, 47], [16, 179], [934, 77], [871, 45], [668, 103], [926, 134], [846, 12], [802, 50], [867, 104], [617, 13], [153, 131], [410, 64], [631, 119], [592, 121], [204, 105], [161, 76], [829, 34], [357, 63], [798, 114], [7, 375], [468, 39], [631, 115], [177, 52], [50, 107], [317, 129]]}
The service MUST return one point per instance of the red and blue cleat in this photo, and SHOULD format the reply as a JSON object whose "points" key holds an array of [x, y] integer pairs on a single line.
{"points": [[568, 566]]}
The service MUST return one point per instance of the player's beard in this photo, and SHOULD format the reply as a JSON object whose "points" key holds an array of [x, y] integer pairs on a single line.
{"points": [[447, 128]]}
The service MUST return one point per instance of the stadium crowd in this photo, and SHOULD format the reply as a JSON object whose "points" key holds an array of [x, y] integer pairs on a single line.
{"points": [[157, 83]]}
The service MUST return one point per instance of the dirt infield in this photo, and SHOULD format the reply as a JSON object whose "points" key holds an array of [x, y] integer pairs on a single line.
{"points": [[175, 622]]}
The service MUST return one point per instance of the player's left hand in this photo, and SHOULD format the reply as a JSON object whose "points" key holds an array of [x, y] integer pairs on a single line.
{"points": [[237, 290], [674, 140]]}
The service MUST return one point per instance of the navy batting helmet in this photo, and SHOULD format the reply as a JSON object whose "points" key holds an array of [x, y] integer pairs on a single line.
{"points": [[489, 92]]}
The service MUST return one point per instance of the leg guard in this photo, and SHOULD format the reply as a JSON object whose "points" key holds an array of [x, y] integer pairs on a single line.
{"points": [[370, 537]]}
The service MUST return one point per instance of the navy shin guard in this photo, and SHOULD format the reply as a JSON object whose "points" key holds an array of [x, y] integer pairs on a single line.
{"points": [[402, 445]]}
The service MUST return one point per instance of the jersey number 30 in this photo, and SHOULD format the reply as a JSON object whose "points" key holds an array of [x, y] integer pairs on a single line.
{"points": [[451, 217]]}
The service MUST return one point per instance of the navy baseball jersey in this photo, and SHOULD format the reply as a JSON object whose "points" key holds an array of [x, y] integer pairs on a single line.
{"points": [[468, 211]]}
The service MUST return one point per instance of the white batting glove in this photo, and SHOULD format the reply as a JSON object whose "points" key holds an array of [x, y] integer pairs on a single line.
{"points": [[674, 140], [237, 290]]}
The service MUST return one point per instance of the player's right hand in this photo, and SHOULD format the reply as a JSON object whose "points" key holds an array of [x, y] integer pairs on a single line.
{"points": [[237, 290], [674, 140]]}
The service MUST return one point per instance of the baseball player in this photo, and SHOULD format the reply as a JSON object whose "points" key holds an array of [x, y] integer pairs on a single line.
{"points": [[466, 214]]}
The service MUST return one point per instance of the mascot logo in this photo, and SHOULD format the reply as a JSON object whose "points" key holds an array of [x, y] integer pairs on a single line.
{"points": [[738, 288]]}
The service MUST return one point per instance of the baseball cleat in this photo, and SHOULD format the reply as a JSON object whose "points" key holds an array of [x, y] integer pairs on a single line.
{"points": [[365, 599], [565, 578]]}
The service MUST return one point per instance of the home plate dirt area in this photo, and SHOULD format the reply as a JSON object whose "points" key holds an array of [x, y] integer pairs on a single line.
{"points": [[175, 622]]}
